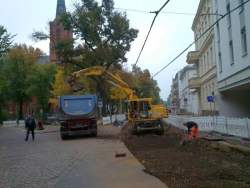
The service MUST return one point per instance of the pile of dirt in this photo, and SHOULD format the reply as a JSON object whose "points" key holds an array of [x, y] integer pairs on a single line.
{"points": [[194, 165]]}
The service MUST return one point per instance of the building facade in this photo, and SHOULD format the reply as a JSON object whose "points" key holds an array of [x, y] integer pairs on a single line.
{"points": [[57, 32], [188, 97], [182, 99], [174, 95], [232, 36], [203, 58]]}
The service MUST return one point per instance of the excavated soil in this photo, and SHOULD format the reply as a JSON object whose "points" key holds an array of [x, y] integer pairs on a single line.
{"points": [[193, 165]]}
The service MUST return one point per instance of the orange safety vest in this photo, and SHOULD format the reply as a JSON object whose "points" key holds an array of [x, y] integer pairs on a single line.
{"points": [[194, 133]]}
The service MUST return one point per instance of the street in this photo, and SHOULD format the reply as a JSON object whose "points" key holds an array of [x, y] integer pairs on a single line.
{"points": [[78, 162]]}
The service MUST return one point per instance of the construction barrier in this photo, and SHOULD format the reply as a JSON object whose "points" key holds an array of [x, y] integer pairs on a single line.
{"points": [[230, 126]]}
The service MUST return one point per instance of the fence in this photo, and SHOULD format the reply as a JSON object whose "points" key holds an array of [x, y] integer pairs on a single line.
{"points": [[118, 117], [13, 123], [230, 126]]}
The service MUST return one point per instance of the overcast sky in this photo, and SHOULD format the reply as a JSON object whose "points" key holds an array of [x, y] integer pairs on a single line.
{"points": [[170, 35]]}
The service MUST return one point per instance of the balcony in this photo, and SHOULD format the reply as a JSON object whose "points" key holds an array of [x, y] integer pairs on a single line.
{"points": [[194, 83], [193, 57]]}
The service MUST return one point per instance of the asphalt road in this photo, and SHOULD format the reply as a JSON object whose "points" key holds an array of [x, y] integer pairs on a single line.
{"points": [[80, 162]]}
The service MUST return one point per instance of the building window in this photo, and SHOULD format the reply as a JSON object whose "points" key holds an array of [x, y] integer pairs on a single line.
{"points": [[213, 89], [205, 63], [220, 62], [201, 66], [231, 50], [216, 3], [208, 56], [209, 17], [218, 31], [244, 41], [229, 15], [58, 33], [242, 18], [211, 55], [242, 6]]}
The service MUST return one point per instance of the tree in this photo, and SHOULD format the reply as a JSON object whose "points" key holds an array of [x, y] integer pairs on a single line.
{"points": [[142, 83], [5, 40], [3, 88], [18, 68], [42, 79], [103, 38], [104, 33], [5, 44]]}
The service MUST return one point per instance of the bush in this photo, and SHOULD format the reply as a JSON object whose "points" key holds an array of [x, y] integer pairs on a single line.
{"points": [[3, 116]]}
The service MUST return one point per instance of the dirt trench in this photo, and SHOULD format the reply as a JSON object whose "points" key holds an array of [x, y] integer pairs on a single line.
{"points": [[194, 165]]}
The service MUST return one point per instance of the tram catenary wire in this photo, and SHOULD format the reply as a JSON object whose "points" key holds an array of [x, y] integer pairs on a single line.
{"points": [[205, 32]]}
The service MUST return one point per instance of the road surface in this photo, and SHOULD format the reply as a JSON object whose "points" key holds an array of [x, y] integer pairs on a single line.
{"points": [[81, 162]]}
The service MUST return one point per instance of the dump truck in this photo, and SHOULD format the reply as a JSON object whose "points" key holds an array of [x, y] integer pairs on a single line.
{"points": [[141, 113], [78, 115]]}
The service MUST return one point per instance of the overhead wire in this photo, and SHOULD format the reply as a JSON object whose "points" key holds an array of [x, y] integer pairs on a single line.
{"points": [[150, 12], [222, 16], [151, 26]]}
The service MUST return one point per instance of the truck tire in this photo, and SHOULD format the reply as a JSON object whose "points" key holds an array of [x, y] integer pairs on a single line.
{"points": [[64, 136], [94, 134]]}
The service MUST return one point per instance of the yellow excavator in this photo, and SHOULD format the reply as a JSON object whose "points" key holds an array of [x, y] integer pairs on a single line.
{"points": [[141, 113]]}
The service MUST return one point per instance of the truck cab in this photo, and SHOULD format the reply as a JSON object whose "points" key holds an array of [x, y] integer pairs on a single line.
{"points": [[78, 115]]}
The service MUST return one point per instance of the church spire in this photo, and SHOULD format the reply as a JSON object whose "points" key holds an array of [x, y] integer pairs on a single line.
{"points": [[61, 8]]}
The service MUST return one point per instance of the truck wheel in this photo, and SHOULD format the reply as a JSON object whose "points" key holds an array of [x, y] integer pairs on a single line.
{"points": [[94, 134], [64, 136]]}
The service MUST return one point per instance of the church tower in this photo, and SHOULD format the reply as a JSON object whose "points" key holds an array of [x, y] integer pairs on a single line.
{"points": [[57, 32]]}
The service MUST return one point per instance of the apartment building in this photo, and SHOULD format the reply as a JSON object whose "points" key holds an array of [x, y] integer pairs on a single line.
{"points": [[203, 58], [232, 36], [182, 99], [174, 95], [188, 97]]}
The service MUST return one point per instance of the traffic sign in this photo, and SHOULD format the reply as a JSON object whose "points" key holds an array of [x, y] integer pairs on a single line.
{"points": [[210, 98]]}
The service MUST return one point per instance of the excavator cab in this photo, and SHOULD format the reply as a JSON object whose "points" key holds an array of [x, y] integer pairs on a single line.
{"points": [[139, 109]]}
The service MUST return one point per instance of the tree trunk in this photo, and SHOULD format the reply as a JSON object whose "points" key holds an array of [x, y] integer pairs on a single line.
{"points": [[20, 111], [101, 92]]}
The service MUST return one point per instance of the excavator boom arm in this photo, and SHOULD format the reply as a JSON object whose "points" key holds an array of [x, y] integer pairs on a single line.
{"points": [[111, 79]]}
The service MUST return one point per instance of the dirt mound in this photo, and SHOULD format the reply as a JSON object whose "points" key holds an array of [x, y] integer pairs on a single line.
{"points": [[190, 166]]}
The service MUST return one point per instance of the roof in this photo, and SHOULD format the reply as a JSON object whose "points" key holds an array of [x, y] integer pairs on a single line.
{"points": [[61, 8]]}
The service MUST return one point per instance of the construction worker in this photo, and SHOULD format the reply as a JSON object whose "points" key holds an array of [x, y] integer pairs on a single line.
{"points": [[193, 131]]}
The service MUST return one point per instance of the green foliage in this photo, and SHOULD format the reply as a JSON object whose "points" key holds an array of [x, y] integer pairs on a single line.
{"points": [[104, 34], [104, 37], [18, 68], [42, 79], [3, 88], [5, 40], [143, 84]]}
